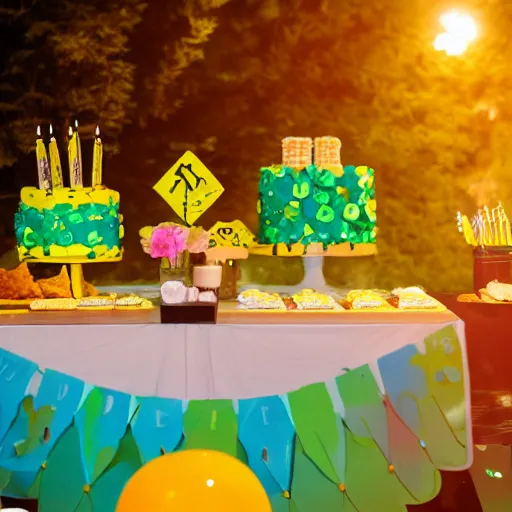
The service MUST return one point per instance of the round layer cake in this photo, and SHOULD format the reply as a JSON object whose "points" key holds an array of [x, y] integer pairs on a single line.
{"points": [[306, 202], [66, 224]]}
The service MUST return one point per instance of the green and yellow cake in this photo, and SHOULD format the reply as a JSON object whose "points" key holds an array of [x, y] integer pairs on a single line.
{"points": [[316, 201], [69, 224]]}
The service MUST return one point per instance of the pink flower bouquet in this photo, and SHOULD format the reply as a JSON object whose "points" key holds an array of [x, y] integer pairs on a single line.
{"points": [[168, 240]]}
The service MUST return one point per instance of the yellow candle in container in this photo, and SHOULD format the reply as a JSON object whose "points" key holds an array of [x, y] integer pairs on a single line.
{"points": [[43, 167], [97, 157], [75, 158], [56, 168]]}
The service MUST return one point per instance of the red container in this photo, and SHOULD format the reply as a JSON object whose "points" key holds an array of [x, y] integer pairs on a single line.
{"points": [[489, 264]]}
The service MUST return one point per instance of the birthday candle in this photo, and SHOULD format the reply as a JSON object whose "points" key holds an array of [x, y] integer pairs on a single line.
{"points": [[97, 170], [508, 234], [487, 226], [43, 168], [469, 235], [75, 158], [481, 228], [56, 168], [495, 231]]}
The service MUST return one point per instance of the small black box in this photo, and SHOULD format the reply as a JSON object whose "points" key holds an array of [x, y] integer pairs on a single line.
{"points": [[189, 313]]}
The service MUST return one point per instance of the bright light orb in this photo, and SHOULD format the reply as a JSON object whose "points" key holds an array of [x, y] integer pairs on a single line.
{"points": [[460, 25], [460, 30], [450, 44]]}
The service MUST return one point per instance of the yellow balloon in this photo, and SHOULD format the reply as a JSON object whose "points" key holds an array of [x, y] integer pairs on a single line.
{"points": [[194, 480]]}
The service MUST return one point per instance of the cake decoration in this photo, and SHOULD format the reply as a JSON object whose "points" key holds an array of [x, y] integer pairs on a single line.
{"points": [[323, 203], [297, 152], [327, 153]]}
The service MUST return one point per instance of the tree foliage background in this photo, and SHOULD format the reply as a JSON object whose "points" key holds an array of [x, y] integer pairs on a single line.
{"points": [[229, 79]]}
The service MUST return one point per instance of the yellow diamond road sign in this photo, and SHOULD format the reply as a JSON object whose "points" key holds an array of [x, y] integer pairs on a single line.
{"points": [[189, 188]]}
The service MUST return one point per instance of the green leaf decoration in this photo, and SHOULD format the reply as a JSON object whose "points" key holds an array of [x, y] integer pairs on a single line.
{"points": [[35, 489], [410, 460], [5, 476], [370, 484], [86, 504], [64, 462], [311, 490], [107, 489], [365, 414], [445, 378], [102, 422], [442, 446], [319, 429], [35, 423], [211, 424]]}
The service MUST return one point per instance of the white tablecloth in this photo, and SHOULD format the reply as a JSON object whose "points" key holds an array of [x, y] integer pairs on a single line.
{"points": [[212, 361]]}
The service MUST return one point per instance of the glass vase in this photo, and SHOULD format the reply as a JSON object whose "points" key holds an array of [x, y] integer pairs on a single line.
{"points": [[176, 269]]}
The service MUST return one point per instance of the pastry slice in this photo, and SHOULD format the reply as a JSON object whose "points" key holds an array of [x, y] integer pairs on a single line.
{"points": [[415, 298], [309, 299], [256, 299], [131, 302], [369, 300], [98, 303], [54, 305]]}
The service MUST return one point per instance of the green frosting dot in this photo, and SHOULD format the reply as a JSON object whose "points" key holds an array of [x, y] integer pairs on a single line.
{"points": [[65, 238], [321, 197], [325, 213], [300, 191], [325, 179], [351, 212], [308, 230], [75, 218], [93, 238]]}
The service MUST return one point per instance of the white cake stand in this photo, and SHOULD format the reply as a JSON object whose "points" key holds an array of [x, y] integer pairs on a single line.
{"points": [[313, 258]]}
